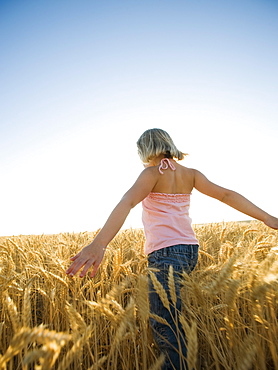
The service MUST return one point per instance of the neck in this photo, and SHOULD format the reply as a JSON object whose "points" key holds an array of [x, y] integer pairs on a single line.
{"points": [[157, 160]]}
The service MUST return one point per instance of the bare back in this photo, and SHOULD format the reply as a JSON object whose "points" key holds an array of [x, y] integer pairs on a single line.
{"points": [[180, 181]]}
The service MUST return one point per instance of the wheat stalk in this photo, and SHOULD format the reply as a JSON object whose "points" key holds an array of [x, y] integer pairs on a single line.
{"points": [[225, 299], [26, 335], [75, 349], [159, 319], [97, 364], [13, 314], [75, 319], [223, 276], [142, 298], [127, 320], [159, 362], [160, 291], [171, 284], [246, 360], [192, 346], [27, 311]]}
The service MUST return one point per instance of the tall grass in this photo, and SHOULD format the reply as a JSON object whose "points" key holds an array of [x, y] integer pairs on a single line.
{"points": [[51, 321]]}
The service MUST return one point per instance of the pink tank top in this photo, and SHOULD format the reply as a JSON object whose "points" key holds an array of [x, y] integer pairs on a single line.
{"points": [[166, 218]]}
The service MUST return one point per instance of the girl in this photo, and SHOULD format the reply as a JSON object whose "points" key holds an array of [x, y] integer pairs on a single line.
{"points": [[164, 188]]}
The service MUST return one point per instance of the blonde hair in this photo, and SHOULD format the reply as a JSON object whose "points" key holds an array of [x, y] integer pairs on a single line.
{"points": [[154, 142]]}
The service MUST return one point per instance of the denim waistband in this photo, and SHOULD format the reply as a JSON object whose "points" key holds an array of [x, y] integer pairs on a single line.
{"points": [[178, 248]]}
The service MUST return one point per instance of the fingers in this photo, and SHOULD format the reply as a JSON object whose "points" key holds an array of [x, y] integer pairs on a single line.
{"points": [[72, 270], [86, 268], [85, 259], [77, 265], [74, 257], [96, 266]]}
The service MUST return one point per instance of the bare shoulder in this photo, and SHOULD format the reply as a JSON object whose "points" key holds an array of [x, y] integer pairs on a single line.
{"points": [[186, 170], [142, 186], [150, 175], [199, 178], [150, 171], [205, 186]]}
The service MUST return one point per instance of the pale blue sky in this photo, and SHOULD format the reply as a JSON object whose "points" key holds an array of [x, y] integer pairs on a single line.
{"points": [[81, 80]]}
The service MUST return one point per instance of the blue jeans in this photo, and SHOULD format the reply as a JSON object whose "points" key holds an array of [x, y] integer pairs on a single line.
{"points": [[170, 338]]}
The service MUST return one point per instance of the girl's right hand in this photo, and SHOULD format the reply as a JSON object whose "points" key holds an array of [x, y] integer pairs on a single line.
{"points": [[272, 222], [89, 256]]}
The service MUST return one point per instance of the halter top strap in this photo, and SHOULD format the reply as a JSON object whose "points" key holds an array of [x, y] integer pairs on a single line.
{"points": [[164, 164]]}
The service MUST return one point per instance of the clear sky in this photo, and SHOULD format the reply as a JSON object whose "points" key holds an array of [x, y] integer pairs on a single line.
{"points": [[81, 80]]}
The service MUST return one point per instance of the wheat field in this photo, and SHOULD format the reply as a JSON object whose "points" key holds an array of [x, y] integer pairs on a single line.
{"points": [[51, 321]]}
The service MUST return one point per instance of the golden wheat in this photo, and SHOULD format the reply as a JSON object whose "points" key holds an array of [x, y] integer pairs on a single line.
{"points": [[171, 284], [51, 321], [160, 291]]}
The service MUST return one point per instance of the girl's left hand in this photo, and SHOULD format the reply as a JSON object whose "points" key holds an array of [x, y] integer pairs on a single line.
{"points": [[89, 256]]}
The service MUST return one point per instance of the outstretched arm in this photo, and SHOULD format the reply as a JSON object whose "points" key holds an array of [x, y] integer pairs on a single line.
{"points": [[92, 254], [233, 199]]}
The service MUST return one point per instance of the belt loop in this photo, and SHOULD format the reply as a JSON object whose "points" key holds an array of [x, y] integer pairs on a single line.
{"points": [[164, 252]]}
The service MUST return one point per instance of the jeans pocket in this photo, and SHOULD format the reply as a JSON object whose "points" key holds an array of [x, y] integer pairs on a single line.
{"points": [[183, 258], [180, 263]]}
